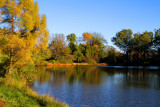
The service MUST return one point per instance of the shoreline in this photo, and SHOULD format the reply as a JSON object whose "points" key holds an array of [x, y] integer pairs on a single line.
{"points": [[17, 93], [70, 64]]}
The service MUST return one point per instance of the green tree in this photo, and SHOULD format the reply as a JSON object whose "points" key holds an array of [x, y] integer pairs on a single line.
{"points": [[157, 40], [72, 39], [82, 48], [111, 55], [58, 47], [123, 40], [78, 56], [94, 44], [98, 43], [142, 44]]}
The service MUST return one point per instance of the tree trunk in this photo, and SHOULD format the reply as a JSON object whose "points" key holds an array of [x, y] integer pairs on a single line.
{"points": [[12, 23], [138, 59], [144, 57], [127, 58]]}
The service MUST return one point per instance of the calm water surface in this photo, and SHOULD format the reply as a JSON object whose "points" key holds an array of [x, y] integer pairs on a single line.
{"points": [[100, 86]]}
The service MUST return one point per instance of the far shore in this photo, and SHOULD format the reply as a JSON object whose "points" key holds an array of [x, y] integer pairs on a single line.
{"points": [[70, 64]]}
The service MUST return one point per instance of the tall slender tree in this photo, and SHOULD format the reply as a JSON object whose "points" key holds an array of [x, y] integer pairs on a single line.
{"points": [[72, 39]]}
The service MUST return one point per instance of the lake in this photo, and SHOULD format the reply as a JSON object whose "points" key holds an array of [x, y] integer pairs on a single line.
{"points": [[92, 86]]}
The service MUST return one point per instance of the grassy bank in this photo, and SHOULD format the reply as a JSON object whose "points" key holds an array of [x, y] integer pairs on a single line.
{"points": [[20, 95]]}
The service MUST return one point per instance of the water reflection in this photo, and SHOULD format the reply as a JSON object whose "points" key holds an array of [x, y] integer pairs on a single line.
{"points": [[99, 86], [71, 74]]}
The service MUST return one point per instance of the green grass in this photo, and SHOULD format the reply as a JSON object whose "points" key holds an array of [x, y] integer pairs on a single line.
{"points": [[15, 97], [18, 95]]}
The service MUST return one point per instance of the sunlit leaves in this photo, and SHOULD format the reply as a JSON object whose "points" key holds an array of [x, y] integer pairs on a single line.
{"points": [[43, 22], [27, 4], [87, 37], [13, 8], [21, 50], [24, 32], [2, 3], [27, 21], [36, 16]]}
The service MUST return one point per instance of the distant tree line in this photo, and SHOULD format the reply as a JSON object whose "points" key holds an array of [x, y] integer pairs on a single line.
{"points": [[135, 49], [89, 48], [139, 48]]}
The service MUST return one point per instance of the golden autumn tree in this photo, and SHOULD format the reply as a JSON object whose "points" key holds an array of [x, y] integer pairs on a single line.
{"points": [[94, 45], [23, 31], [87, 37], [41, 51]]}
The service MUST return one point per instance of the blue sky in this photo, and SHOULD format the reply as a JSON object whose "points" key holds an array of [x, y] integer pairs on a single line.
{"points": [[102, 16]]}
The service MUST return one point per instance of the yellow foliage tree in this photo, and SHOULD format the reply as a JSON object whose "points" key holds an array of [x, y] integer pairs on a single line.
{"points": [[24, 32], [87, 37], [21, 52]]}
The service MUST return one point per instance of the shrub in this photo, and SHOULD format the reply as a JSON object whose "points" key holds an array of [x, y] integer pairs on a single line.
{"points": [[64, 60], [91, 61], [52, 61], [4, 64], [3, 58]]}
